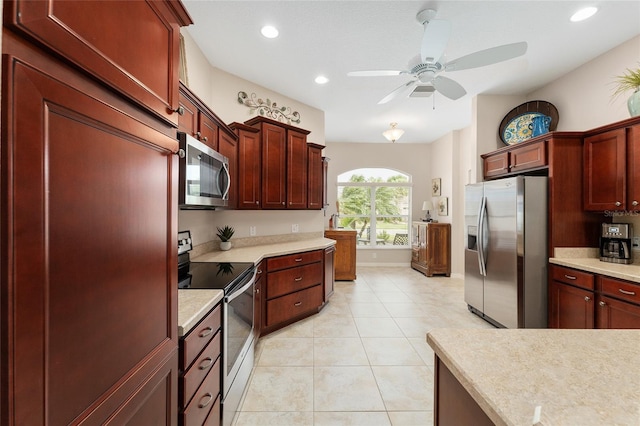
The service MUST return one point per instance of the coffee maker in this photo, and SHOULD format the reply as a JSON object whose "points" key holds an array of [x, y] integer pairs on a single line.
{"points": [[615, 243]]}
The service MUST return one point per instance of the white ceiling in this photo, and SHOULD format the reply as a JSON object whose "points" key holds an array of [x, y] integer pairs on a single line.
{"points": [[335, 37]]}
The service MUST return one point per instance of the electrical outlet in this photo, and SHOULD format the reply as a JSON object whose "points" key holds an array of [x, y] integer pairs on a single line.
{"points": [[635, 243], [252, 231], [295, 228]]}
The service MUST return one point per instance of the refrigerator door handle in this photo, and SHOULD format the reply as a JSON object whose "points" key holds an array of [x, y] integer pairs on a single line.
{"points": [[481, 218]]}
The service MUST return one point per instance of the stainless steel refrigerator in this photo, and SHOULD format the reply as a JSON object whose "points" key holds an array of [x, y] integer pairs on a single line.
{"points": [[506, 251]]}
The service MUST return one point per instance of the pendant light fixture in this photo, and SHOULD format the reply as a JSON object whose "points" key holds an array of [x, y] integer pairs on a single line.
{"points": [[393, 134]]}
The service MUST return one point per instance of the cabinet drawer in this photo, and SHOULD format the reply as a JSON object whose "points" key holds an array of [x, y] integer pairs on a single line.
{"points": [[200, 368], [198, 338], [620, 289], [291, 260], [294, 304], [214, 417], [572, 276], [204, 399], [289, 280]]}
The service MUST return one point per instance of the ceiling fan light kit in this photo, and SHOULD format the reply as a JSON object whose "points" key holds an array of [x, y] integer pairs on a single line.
{"points": [[426, 70], [393, 133]]}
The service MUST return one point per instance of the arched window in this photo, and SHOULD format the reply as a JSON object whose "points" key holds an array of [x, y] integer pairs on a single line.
{"points": [[376, 203]]}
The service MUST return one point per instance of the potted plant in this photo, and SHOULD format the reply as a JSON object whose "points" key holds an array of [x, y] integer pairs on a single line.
{"points": [[225, 235], [630, 80]]}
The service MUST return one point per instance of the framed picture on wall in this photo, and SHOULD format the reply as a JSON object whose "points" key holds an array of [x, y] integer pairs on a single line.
{"points": [[435, 187], [443, 206]]}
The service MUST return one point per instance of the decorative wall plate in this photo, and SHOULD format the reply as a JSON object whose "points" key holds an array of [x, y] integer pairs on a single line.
{"points": [[515, 128]]}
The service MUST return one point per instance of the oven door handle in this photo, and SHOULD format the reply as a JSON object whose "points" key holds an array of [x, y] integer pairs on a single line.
{"points": [[244, 288]]}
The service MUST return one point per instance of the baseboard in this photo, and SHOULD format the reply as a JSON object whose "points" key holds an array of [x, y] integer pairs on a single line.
{"points": [[383, 264]]}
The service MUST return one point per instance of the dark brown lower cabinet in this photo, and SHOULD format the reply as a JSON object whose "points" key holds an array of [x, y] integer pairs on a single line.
{"points": [[580, 299], [89, 239], [452, 404], [431, 248]]}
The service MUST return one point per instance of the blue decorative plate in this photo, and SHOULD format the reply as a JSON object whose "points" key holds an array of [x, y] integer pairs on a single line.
{"points": [[514, 127], [519, 128]]}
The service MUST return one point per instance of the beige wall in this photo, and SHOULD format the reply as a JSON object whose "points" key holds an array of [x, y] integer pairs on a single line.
{"points": [[219, 90], [413, 159]]}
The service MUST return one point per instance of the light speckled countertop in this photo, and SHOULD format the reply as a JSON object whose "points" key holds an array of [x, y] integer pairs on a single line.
{"points": [[624, 272], [578, 377], [256, 253], [193, 305]]}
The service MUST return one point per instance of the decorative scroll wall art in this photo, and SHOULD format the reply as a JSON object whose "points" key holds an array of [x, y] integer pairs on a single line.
{"points": [[268, 109]]}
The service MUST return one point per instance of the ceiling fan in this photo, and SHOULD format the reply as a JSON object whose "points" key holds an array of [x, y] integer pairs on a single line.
{"points": [[425, 68]]}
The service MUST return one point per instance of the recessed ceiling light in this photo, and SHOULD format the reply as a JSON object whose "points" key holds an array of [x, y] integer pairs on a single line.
{"points": [[269, 32], [583, 14], [321, 79]]}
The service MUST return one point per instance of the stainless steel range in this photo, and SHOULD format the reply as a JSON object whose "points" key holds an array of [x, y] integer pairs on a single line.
{"points": [[237, 280]]}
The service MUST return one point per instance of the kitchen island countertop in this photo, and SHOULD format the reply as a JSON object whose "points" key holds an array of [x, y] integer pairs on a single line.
{"points": [[577, 377]]}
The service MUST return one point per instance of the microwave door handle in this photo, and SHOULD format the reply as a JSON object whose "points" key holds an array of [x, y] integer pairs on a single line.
{"points": [[225, 167]]}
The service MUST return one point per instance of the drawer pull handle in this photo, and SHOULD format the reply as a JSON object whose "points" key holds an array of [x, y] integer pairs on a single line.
{"points": [[209, 399], [297, 279], [570, 277], [627, 292], [299, 259], [297, 304], [205, 332], [206, 363]]}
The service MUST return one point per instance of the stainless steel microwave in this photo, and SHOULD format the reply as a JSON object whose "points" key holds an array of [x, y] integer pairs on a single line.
{"points": [[203, 175]]}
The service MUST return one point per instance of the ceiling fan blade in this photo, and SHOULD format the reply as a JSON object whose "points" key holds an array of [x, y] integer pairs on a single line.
{"points": [[396, 92], [374, 73], [488, 56], [434, 40], [449, 88]]}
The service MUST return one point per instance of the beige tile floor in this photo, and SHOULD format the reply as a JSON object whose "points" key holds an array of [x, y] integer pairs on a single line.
{"points": [[363, 360]]}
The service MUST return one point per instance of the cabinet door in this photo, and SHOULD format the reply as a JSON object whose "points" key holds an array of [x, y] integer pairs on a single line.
{"points": [[605, 171], [88, 198], [228, 146], [188, 116], [422, 242], [249, 166], [496, 165], [315, 177], [296, 170], [528, 157], [438, 249], [612, 313], [570, 307], [633, 168], [329, 272], [274, 166], [207, 131], [133, 49]]}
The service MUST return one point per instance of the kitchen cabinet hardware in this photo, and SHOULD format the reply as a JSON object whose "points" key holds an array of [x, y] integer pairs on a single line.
{"points": [[602, 303], [634, 203], [587, 298], [618, 203], [209, 397], [629, 293], [298, 259], [297, 304], [570, 277], [179, 110], [206, 332], [297, 279], [181, 153], [206, 363]]}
